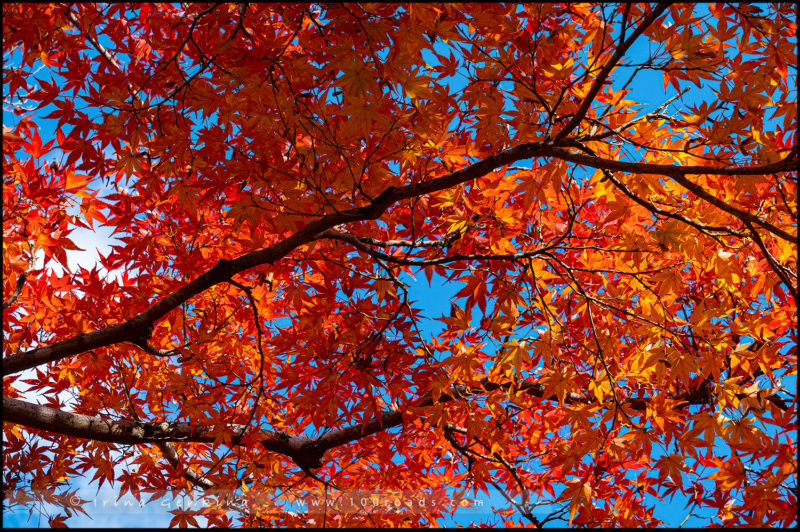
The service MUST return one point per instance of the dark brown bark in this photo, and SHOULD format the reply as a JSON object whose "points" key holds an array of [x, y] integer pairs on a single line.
{"points": [[304, 451], [138, 328]]}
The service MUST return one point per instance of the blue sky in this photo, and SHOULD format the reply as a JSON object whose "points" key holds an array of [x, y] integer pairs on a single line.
{"points": [[106, 511]]}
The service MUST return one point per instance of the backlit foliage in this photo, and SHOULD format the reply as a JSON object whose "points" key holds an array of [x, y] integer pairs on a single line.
{"points": [[607, 194]]}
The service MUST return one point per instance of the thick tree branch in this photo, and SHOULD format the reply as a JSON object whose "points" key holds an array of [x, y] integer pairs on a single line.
{"points": [[306, 452], [138, 327], [788, 164], [679, 173], [125, 432]]}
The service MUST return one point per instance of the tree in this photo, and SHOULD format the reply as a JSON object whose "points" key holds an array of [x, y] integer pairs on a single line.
{"points": [[283, 178]]}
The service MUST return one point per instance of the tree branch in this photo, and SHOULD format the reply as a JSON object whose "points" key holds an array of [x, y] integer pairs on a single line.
{"points": [[600, 80], [17, 290], [106, 55], [358, 243], [679, 173], [306, 452], [776, 267], [138, 326], [706, 229]]}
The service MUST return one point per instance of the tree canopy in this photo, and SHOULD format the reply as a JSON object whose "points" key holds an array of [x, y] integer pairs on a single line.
{"points": [[605, 193]]}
